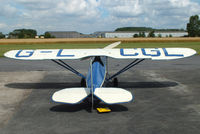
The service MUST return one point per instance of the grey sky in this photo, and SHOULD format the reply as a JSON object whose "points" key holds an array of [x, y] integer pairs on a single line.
{"points": [[88, 16]]}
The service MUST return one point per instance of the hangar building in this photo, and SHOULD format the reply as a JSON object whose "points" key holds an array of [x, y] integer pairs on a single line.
{"points": [[65, 34], [157, 33]]}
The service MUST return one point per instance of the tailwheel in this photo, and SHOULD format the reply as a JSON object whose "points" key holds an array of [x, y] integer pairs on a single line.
{"points": [[115, 82], [83, 83], [94, 103]]}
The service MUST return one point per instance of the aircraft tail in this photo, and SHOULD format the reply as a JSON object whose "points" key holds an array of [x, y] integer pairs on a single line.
{"points": [[106, 95], [113, 95], [71, 95]]}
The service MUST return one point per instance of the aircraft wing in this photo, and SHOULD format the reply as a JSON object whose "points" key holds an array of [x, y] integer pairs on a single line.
{"points": [[131, 53]]}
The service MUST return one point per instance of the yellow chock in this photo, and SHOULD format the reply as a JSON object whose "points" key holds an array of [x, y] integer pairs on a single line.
{"points": [[104, 110]]}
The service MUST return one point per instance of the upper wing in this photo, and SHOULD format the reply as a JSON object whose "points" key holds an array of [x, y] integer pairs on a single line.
{"points": [[134, 53]]}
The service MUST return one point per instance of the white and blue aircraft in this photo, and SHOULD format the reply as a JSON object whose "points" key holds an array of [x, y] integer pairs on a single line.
{"points": [[95, 88]]}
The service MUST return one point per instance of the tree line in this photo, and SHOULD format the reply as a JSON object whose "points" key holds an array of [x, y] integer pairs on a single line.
{"points": [[145, 29], [24, 34], [150, 34]]}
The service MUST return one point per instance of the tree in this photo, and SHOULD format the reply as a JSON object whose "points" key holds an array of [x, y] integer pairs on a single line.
{"points": [[193, 27], [160, 35], [135, 35], [2, 35], [151, 34], [142, 34], [23, 33], [134, 29], [48, 35]]}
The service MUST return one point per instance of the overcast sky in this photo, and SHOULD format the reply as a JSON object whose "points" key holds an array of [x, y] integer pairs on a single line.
{"points": [[88, 16]]}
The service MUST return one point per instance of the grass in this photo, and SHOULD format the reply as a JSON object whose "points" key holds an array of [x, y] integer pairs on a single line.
{"points": [[5, 48]]}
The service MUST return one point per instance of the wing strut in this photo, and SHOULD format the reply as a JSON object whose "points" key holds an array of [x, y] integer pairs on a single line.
{"points": [[68, 67], [132, 64], [92, 88]]}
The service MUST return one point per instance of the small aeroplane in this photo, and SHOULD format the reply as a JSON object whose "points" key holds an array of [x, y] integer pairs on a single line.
{"points": [[94, 83]]}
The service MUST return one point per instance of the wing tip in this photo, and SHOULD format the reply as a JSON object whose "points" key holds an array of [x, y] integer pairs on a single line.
{"points": [[7, 54]]}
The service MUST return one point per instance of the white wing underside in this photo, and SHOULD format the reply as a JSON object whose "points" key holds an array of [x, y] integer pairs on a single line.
{"points": [[134, 53]]}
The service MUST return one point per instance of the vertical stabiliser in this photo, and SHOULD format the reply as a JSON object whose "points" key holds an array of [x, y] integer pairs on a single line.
{"points": [[113, 45], [96, 75]]}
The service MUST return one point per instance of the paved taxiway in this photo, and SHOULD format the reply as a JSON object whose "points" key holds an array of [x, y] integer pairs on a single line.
{"points": [[166, 99]]}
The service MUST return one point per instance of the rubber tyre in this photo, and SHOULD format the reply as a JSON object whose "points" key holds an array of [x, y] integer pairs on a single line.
{"points": [[115, 82], [83, 83]]}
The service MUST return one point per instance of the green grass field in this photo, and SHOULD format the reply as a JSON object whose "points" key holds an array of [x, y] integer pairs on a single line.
{"points": [[5, 48]]}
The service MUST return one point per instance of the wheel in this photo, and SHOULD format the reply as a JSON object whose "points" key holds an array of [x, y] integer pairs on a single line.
{"points": [[83, 83], [115, 82], [95, 102]]}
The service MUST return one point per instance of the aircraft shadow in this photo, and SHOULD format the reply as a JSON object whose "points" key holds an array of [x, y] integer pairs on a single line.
{"points": [[42, 85], [154, 84], [86, 107]]}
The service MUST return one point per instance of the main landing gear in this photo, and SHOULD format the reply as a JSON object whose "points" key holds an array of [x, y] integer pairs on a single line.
{"points": [[115, 82], [83, 83]]}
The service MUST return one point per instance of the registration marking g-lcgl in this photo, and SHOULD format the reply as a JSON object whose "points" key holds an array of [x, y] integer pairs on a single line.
{"points": [[155, 52]]}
